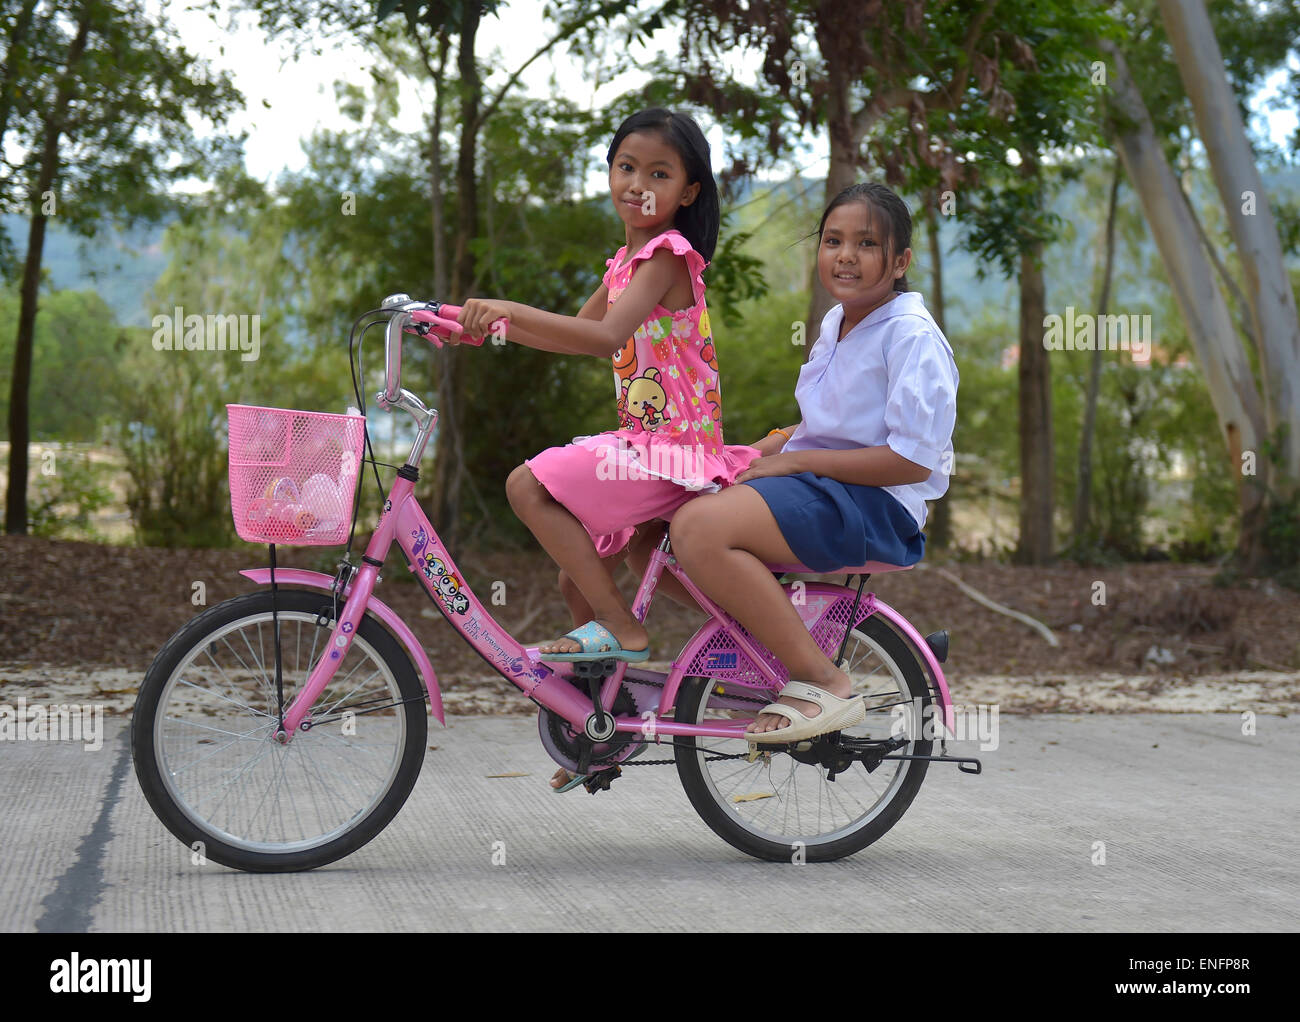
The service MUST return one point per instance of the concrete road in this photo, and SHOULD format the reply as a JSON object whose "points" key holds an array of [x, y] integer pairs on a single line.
{"points": [[1198, 821]]}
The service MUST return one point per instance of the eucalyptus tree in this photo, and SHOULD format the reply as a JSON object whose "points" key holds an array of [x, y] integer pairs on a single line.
{"points": [[1154, 122]]}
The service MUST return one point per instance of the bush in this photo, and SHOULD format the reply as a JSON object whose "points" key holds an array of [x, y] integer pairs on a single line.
{"points": [[171, 431], [61, 503]]}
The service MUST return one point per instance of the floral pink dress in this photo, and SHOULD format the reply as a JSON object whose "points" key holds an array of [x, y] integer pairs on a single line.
{"points": [[669, 444]]}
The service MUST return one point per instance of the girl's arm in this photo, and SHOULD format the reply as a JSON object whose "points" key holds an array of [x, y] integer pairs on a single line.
{"points": [[774, 441], [859, 466], [590, 310], [577, 334], [862, 466]]}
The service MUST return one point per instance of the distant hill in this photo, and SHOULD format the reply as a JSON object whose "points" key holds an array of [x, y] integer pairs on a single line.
{"points": [[1069, 261], [123, 265]]}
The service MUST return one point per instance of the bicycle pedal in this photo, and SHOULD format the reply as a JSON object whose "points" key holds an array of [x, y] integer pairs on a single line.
{"points": [[602, 780], [594, 669]]}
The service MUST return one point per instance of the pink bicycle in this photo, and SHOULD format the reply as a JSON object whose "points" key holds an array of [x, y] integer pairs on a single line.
{"points": [[285, 728]]}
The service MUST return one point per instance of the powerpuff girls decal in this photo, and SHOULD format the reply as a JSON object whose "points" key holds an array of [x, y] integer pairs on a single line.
{"points": [[446, 585]]}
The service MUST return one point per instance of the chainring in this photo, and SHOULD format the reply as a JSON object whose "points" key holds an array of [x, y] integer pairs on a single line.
{"points": [[561, 743]]}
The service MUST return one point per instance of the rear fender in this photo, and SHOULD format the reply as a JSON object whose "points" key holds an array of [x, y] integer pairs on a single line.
{"points": [[712, 653]]}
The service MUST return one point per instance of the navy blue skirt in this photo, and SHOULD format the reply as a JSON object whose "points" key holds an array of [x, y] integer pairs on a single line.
{"points": [[831, 525]]}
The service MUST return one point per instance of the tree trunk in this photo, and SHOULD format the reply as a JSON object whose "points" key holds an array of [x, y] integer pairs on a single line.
{"points": [[940, 534], [1236, 297], [1268, 287], [1036, 462], [1227, 370], [435, 176], [1083, 498], [449, 451], [20, 386]]}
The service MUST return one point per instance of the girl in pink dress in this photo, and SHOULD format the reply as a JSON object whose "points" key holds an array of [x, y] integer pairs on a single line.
{"points": [[583, 500]]}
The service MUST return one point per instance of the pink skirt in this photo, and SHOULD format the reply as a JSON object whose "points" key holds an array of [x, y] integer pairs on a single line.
{"points": [[615, 481]]}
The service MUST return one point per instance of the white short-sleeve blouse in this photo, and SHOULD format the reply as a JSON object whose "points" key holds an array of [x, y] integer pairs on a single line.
{"points": [[891, 380]]}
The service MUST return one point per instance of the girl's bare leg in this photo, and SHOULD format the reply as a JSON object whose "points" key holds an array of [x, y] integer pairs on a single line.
{"points": [[581, 612], [563, 537], [723, 541], [637, 553]]}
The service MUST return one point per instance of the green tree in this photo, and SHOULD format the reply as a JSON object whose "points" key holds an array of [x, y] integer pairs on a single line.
{"points": [[1158, 124], [101, 112], [72, 351]]}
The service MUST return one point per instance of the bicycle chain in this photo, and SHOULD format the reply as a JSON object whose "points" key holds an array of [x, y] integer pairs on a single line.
{"points": [[672, 762]]}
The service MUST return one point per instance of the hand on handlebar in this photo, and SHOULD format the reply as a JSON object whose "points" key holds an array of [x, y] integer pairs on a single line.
{"points": [[483, 316], [439, 329], [442, 322]]}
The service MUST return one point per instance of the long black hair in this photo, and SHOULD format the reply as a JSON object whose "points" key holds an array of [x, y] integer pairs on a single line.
{"points": [[699, 221], [887, 210]]}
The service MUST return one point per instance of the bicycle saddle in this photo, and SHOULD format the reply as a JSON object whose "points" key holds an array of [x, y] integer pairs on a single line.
{"points": [[870, 568]]}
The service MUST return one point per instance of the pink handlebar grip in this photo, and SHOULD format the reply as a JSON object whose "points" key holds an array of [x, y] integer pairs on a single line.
{"points": [[443, 326], [453, 311]]}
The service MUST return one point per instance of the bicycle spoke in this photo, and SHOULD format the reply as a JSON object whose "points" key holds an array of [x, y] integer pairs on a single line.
{"points": [[232, 687], [330, 709], [802, 803], [212, 752]]}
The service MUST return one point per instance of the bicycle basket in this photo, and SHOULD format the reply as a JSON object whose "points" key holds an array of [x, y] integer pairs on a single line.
{"points": [[293, 474]]}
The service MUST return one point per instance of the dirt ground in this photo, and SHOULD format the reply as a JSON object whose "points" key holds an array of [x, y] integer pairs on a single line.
{"points": [[1148, 636]]}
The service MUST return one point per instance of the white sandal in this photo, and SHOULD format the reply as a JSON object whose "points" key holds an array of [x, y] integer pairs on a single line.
{"points": [[836, 714]]}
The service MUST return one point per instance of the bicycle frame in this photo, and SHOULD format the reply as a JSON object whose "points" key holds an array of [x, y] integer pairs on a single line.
{"points": [[405, 523], [741, 661]]}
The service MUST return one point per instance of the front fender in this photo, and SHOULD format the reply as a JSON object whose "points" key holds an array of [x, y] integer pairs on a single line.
{"points": [[385, 613]]}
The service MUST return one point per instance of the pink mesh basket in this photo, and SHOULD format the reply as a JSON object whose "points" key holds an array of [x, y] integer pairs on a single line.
{"points": [[293, 474]]}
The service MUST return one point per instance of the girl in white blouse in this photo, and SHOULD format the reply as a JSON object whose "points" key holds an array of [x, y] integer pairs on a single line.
{"points": [[849, 483]]}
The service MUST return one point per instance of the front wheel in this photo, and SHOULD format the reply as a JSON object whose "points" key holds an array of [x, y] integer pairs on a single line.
{"points": [[203, 735], [783, 806]]}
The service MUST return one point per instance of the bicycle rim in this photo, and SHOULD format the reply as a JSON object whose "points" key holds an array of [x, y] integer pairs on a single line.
{"points": [[786, 803], [214, 737]]}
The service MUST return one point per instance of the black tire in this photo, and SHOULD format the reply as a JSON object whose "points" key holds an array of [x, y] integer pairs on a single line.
{"points": [[907, 682], [182, 696]]}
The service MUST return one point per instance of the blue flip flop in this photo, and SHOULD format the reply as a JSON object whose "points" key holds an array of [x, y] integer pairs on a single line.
{"points": [[598, 643], [571, 785]]}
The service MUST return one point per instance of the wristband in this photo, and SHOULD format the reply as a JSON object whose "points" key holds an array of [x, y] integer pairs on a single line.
{"points": [[782, 432]]}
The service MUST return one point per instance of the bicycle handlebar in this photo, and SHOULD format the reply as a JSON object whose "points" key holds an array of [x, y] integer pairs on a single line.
{"points": [[432, 320], [452, 312]]}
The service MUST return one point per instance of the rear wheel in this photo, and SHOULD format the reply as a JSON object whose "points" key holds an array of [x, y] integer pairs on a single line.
{"points": [[784, 806], [202, 735]]}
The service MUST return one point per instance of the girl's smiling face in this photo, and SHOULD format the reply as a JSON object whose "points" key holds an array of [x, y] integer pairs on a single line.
{"points": [[647, 181], [851, 259]]}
